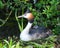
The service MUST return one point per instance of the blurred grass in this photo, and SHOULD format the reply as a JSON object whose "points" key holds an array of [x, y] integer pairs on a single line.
{"points": [[41, 43], [46, 13]]}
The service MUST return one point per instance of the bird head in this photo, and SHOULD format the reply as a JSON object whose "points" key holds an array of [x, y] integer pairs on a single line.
{"points": [[28, 15]]}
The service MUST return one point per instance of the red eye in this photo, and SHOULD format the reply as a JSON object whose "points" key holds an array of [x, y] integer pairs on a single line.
{"points": [[25, 14]]}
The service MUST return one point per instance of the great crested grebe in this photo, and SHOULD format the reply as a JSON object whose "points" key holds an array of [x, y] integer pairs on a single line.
{"points": [[35, 32]]}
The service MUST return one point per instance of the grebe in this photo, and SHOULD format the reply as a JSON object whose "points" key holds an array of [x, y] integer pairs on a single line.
{"points": [[35, 32]]}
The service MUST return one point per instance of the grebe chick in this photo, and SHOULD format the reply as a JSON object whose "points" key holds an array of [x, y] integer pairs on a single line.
{"points": [[35, 32]]}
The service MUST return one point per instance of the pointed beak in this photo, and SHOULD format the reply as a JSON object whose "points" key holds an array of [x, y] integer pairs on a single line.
{"points": [[20, 16]]}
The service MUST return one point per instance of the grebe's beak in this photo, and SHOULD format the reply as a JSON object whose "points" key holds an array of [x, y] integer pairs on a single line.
{"points": [[21, 16]]}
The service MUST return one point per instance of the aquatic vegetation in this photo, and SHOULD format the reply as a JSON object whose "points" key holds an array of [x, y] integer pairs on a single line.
{"points": [[46, 13]]}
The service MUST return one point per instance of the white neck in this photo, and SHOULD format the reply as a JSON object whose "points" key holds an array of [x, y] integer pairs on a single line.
{"points": [[25, 33], [28, 25], [26, 30]]}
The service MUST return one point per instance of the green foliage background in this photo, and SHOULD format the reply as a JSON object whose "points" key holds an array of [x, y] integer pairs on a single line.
{"points": [[46, 13]]}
